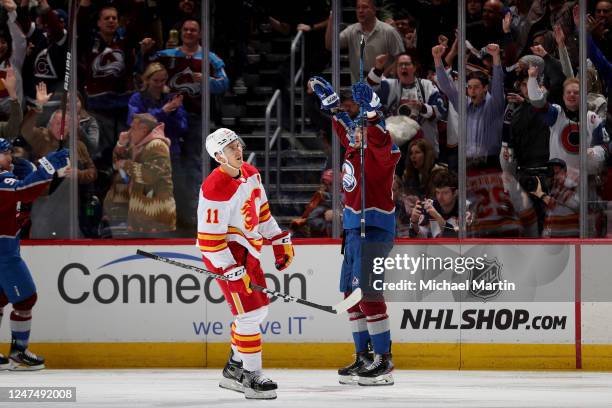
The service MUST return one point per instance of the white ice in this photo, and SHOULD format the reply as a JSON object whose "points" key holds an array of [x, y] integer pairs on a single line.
{"points": [[320, 389]]}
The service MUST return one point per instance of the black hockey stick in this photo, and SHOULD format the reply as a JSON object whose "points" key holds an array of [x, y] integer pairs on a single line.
{"points": [[72, 11], [364, 142], [339, 308]]}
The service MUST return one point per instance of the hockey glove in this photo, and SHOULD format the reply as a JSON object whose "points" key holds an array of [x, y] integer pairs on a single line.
{"points": [[365, 97], [283, 250], [239, 281], [349, 125], [56, 162], [325, 92]]}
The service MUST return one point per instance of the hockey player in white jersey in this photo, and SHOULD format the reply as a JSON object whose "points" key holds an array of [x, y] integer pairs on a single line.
{"points": [[233, 220]]}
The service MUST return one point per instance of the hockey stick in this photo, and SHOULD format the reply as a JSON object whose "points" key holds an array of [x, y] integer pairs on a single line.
{"points": [[72, 10], [364, 142], [339, 308]]}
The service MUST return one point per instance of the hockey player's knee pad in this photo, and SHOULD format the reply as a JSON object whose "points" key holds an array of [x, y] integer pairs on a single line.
{"points": [[355, 309], [249, 322], [372, 308], [26, 304]]}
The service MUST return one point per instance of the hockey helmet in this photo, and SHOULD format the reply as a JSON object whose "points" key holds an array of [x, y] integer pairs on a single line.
{"points": [[5, 145], [217, 140]]}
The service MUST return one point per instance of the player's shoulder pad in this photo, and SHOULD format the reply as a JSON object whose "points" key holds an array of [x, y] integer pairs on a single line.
{"points": [[248, 170], [218, 186]]}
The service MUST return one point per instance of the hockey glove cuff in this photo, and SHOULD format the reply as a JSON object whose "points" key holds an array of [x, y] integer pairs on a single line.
{"points": [[239, 281], [365, 97], [283, 250], [325, 92], [56, 162]]}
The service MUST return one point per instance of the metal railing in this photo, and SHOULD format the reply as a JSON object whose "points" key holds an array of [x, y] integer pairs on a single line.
{"points": [[296, 78], [275, 138]]}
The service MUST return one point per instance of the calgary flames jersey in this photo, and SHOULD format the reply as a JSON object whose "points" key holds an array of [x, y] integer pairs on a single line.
{"points": [[233, 210]]}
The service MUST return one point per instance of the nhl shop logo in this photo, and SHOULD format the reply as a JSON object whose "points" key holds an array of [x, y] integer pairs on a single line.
{"points": [[485, 283]]}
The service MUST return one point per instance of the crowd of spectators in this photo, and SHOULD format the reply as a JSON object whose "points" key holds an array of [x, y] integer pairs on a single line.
{"points": [[139, 108], [523, 118]]}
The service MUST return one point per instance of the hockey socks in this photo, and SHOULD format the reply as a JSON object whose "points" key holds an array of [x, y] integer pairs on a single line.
{"points": [[378, 325], [361, 337], [21, 323]]}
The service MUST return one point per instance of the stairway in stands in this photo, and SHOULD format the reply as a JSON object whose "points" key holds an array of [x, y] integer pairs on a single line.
{"points": [[243, 110]]}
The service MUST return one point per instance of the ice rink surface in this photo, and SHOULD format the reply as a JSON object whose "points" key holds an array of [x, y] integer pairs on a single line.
{"points": [[320, 389]]}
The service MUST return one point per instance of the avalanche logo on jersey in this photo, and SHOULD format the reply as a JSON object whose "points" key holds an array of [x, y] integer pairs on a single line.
{"points": [[43, 67], [570, 138], [349, 182], [249, 210], [109, 62], [184, 82]]}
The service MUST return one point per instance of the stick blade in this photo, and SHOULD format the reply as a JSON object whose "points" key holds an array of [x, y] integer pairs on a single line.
{"points": [[349, 302]]}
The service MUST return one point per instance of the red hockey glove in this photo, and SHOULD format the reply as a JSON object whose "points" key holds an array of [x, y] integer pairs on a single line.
{"points": [[283, 250], [239, 281]]}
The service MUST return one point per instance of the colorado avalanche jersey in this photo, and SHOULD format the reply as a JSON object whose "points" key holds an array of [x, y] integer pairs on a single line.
{"points": [[181, 68], [12, 192], [381, 157], [233, 210]]}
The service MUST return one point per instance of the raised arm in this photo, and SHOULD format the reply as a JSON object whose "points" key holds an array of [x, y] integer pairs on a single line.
{"points": [[444, 82]]}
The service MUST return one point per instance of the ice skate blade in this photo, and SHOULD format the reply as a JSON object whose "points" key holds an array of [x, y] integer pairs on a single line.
{"points": [[385, 379], [249, 393], [347, 379], [22, 367], [231, 385]]}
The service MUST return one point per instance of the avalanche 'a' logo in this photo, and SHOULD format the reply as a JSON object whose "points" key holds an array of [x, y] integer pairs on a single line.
{"points": [[183, 82], [109, 62], [349, 182], [249, 210], [43, 66]]}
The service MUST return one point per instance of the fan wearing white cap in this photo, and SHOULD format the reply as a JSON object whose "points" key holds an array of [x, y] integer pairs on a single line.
{"points": [[233, 220]]}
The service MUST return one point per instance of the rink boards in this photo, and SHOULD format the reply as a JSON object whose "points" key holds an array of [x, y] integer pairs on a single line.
{"points": [[103, 306]]}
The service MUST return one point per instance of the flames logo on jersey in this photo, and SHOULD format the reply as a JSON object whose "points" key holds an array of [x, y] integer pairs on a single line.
{"points": [[184, 82], [249, 210], [109, 62]]}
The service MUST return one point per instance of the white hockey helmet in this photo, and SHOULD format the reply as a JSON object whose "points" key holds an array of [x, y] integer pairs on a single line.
{"points": [[217, 140]]}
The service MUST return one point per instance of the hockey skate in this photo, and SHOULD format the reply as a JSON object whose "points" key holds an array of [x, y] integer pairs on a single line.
{"points": [[258, 386], [4, 363], [348, 374], [25, 360], [232, 375], [377, 373]]}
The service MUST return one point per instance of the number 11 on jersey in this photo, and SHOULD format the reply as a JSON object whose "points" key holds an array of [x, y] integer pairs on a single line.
{"points": [[212, 216]]}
